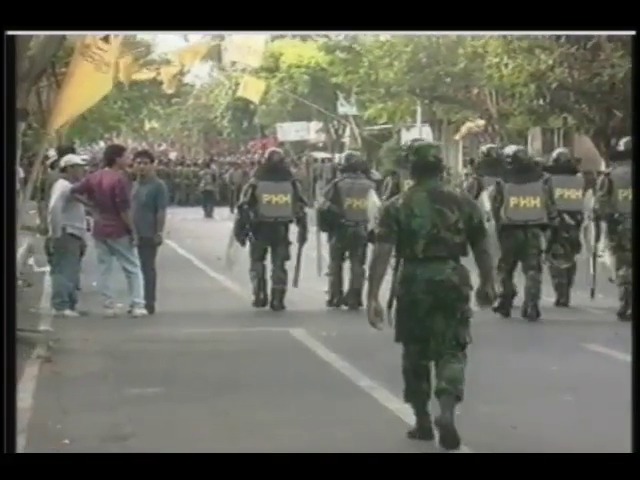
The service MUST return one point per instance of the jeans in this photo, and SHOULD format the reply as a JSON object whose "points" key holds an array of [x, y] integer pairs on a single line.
{"points": [[123, 251], [147, 252], [65, 261]]}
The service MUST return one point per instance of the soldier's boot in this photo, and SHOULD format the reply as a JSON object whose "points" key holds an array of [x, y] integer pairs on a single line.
{"points": [[260, 298], [530, 311], [563, 297], [449, 438], [336, 299], [277, 299], [353, 299], [503, 307], [423, 429], [624, 312]]}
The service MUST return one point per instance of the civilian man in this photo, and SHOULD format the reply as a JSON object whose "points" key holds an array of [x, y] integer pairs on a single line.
{"points": [[109, 194], [67, 230], [150, 201]]}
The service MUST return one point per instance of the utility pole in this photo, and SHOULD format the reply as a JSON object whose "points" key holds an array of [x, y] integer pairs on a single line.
{"points": [[419, 117]]}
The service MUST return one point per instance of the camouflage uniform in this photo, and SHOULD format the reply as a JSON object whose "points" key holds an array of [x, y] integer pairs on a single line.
{"points": [[432, 226], [181, 185], [207, 187], [523, 207], [270, 202], [613, 207], [192, 182], [564, 244], [343, 214]]}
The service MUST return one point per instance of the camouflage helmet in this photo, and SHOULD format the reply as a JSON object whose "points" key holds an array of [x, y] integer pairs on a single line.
{"points": [[490, 150], [350, 157], [624, 145], [423, 151], [515, 154], [560, 156]]}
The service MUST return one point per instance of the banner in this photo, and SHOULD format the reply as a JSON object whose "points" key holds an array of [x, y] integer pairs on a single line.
{"points": [[252, 89], [345, 107], [293, 131], [244, 49], [89, 78], [191, 55]]}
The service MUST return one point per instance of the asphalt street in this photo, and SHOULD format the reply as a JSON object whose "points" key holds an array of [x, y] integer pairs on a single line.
{"points": [[208, 373]]}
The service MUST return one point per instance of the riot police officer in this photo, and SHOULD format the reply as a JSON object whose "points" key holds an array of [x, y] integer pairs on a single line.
{"points": [[485, 171], [613, 207], [563, 243], [343, 214], [523, 206], [270, 202]]}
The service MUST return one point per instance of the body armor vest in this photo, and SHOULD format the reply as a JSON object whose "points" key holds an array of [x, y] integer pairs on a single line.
{"points": [[354, 193], [568, 192], [621, 189], [524, 204], [274, 201]]}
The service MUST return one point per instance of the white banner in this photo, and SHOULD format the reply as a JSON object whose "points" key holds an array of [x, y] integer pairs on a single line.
{"points": [[244, 49], [293, 131], [345, 107]]}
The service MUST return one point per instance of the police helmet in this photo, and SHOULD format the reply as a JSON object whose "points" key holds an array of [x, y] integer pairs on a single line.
{"points": [[489, 150], [624, 145], [274, 155], [560, 156], [515, 154], [350, 157]]}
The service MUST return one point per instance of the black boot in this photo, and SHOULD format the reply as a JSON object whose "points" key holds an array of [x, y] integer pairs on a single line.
{"points": [[260, 298], [445, 423], [277, 299], [335, 300], [423, 429], [562, 298], [624, 312], [353, 300], [530, 311], [503, 307]]}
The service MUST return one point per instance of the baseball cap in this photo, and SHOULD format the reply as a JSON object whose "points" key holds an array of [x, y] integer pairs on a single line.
{"points": [[71, 160]]}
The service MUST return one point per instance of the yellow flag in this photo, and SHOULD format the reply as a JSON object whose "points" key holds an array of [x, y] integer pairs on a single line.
{"points": [[89, 78], [147, 73], [170, 77], [127, 66], [244, 49], [251, 88], [191, 55]]}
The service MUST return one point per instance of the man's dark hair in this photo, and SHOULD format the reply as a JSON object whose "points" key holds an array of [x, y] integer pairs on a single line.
{"points": [[63, 150], [145, 154], [112, 153]]}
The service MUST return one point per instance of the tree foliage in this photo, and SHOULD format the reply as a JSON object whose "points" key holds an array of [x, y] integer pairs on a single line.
{"points": [[513, 83]]}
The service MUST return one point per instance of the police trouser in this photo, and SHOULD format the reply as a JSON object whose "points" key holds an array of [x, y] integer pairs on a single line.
{"points": [[520, 246], [278, 245], [347, 242]]}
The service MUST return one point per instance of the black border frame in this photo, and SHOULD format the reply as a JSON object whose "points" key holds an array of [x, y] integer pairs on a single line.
{"points": [[10, 380]]}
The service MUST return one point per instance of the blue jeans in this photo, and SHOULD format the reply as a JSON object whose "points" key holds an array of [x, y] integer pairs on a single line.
{"points": [[65, 260], [123, 251]]}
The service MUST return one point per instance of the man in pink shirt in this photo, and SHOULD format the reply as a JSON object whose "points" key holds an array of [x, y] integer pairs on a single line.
{"points": [[108, 191]]}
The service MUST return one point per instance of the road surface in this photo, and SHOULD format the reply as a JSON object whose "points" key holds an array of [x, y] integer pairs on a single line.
{"points": [[208, 373]]}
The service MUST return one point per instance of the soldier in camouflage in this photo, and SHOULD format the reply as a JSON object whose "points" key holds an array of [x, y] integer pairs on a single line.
{"points": [[523, 207], [563, 244], [431, 227], [207, 187], [343, 215], [613, 208], [270, 202]]}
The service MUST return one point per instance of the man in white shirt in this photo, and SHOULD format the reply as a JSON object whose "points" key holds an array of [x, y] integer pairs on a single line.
{"points": [[67, 232]]}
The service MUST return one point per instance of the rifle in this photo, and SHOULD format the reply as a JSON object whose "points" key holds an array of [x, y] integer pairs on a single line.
{"points": [[593, 261], [296, 272], [393, 291]]}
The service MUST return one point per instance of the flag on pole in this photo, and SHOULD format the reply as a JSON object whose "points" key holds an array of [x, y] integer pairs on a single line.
{"points": [[146, 73], [251, 88], [191, 55], [127, 66], [89, 78], [244, 49]]}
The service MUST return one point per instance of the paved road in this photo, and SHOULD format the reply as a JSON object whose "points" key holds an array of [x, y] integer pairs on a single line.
{"points": [[210, 374]]}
